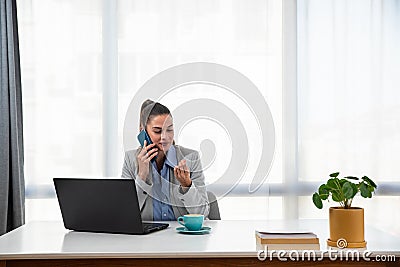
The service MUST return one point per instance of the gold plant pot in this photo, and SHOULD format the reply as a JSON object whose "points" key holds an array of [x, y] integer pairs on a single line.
{"points": [[346, 227]]}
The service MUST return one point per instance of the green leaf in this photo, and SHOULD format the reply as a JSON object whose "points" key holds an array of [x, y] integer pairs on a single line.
{"points": [[332, 184], [347, 190], [364, 191], [336, 197], [369, 181], [323, 192], [352, 178], [371, 188], [355, 190], [335, 174], [342, 182], [317, 200]]}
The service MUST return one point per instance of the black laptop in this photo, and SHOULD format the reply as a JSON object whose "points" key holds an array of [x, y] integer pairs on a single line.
{"points": [[102, 205]]}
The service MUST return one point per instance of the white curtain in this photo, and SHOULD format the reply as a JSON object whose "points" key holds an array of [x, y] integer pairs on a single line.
{"points": [[349, 97], [349, 81], [60, 44]]}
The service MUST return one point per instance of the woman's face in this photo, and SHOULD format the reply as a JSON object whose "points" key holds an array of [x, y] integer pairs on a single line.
{"points": [[161, 131]]}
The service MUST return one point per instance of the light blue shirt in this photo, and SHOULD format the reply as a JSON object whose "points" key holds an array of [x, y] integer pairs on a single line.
{"points": [[162, 211]]}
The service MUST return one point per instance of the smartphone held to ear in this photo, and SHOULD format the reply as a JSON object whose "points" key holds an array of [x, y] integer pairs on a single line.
{"points": [[142, 136]]}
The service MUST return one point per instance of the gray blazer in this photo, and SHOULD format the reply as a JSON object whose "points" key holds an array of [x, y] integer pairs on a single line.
{"points": [[194, 201]]}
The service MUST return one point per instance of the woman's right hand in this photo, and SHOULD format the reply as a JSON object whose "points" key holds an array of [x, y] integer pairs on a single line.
{"points": [[146, 154]]}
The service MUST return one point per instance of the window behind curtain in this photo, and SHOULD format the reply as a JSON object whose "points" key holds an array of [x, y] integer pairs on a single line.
{"points": [[243, 35], [349, 108], [61, 56], [60, 46]]}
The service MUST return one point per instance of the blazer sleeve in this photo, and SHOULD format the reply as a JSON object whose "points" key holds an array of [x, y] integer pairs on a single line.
{"points": [[195, 200], [129, 170]]}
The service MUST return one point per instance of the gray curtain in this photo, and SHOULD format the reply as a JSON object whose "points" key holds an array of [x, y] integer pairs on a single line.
{"points": [[12, 185]]}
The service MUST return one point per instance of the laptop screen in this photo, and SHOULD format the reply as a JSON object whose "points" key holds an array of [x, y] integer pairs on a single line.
{"points": [[99, 205]]}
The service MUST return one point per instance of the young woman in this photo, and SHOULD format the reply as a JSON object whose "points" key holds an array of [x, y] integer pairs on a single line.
{"points": [[169, 178]]}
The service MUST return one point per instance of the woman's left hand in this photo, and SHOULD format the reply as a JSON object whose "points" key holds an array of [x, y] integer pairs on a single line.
{"points": [[182, 174]]}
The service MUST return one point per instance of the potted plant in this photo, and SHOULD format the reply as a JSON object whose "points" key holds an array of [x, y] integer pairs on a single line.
{"points": [[346, 223]]}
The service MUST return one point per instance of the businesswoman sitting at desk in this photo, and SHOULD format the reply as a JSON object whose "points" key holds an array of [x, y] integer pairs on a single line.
{"points": [[169, 178]]}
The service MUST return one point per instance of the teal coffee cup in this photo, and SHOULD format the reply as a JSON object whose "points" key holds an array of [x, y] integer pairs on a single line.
{"points": [[193, 222]]}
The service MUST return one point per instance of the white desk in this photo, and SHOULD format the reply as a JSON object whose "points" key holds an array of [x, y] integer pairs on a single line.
{"points": [[50, 244]]}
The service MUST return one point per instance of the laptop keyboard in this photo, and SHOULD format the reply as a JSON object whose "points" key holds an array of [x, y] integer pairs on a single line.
{"points": [[153, 226]]}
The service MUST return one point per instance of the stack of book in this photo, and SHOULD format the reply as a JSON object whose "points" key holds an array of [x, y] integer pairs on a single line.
{"points": [[287, 241]]}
